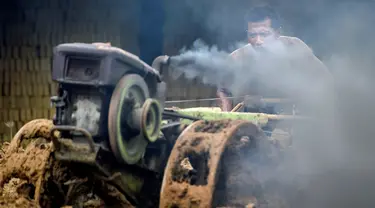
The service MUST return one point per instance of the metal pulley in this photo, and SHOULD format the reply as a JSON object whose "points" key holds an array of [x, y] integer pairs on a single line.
{"points": [[147, 119], [134, 119]]}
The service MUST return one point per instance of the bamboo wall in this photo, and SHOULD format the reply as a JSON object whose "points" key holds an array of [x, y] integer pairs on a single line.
{"points": [[30, 29], [182, 27]]}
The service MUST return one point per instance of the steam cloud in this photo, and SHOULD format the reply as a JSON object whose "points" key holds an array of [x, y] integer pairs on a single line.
{"points": [[333, 168], [274, 70]]}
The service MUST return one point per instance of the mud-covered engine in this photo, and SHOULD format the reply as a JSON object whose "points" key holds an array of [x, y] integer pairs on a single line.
{"points": [[108, 99]]}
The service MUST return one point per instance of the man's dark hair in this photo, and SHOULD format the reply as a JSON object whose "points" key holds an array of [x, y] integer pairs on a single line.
{"points": [[258, 14]]}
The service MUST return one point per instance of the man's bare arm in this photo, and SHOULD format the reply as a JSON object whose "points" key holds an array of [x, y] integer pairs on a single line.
{"points": [[318, 77], [223, 94], [225, 103], [317, 67]]}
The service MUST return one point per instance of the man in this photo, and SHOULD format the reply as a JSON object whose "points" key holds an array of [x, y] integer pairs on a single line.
{"points": [[263, 35]]}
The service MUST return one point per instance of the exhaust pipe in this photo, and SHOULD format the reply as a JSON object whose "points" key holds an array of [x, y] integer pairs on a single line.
{"points": [[170, 61], [159, 62]]}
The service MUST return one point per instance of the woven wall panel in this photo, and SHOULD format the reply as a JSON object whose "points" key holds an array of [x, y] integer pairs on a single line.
{"points": [[26, 47]]}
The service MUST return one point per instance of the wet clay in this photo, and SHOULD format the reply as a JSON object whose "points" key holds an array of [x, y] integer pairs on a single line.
{"points": [[22, 174], [212, 126], [217, 164], [19, 164], [214, 164], [202, 145], [31, 177]]}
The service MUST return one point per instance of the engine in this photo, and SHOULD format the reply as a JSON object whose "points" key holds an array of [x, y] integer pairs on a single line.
{"points": [[108, 99]]}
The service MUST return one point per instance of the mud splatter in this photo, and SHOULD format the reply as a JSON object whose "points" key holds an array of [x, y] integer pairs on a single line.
{"points": [[215, 164], [31, 177], [212, 126], [228, 161], [22, 175]]}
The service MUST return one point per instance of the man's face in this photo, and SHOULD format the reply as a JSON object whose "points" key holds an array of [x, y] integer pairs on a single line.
{"points": [[260, 32]]}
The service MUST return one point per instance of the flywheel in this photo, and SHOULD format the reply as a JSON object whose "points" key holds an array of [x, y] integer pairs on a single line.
{"points": [[213, 164], [133, 120]]}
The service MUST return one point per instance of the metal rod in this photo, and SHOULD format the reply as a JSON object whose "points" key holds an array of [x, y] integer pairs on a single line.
{"points": [[179, 115], [72, 128], [169, 125], [265, 100]]}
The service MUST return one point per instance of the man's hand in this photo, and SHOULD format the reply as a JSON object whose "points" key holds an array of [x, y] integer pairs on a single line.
{"points": [[225, 103]]}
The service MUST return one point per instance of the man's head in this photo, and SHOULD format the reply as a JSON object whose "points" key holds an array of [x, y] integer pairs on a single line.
{"points": [[262, 24]]}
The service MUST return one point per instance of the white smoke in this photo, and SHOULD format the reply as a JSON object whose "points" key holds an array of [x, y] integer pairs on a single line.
{"points": [[332, 169]]}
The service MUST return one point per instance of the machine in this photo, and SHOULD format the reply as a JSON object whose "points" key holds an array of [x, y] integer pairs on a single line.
{"points": [[111, 126]]}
